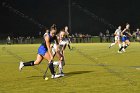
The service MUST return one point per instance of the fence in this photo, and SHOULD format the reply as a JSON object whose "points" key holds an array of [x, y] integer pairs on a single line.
{"points": [[33, 40]]}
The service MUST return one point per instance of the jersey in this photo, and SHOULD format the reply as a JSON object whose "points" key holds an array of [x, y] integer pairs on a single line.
{"points": [[125, 35], [117, 34], [62, 42], [52, 39], [43, 47]]}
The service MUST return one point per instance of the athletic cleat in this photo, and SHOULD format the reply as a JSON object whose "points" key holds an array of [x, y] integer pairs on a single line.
{"points": [[55, 76], [21, 65], [61, 74], [119, 52], [109, 47]]}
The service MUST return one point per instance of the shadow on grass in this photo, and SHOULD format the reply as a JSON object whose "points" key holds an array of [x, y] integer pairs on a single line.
{"points": [[66, 74], [77, 73]]}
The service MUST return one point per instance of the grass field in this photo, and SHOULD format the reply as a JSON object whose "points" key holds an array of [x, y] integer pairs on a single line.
{"points": [[90, 68]]}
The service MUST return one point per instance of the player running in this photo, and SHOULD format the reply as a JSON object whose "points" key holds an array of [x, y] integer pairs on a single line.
{"points": [[117, 37], [67, 39], [44, 52], [125, 38]]}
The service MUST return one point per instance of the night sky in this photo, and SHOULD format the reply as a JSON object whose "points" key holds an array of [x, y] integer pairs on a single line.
{"points": [[48, 12]]}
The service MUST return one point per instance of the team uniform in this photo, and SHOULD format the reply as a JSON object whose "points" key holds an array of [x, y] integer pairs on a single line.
{"points": [[117, 37], [62, 44], [117, 34], [125, 37], [61, 47], [67, 39], [42, 50]]}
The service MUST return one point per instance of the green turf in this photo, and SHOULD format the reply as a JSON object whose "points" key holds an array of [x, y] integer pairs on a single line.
{"points": [[90, 68]]}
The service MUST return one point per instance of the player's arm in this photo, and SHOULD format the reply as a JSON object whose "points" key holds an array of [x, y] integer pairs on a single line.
{"points": [[57, 48], [129, 34], [123, 32]]}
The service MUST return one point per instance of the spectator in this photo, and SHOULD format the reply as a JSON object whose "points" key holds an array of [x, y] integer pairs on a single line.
{"points": [[101, 37]]}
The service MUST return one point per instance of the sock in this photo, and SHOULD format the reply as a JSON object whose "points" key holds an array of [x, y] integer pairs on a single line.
{"points": [[69, 46], [112, 44], [121, 48], [51, 68], [60, 67], [126, 46], [30, 63]]}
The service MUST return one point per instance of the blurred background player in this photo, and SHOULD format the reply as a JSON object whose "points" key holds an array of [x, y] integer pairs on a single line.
{"points": [[117, 37], [125, 38], [67, 39], [44, 52]]}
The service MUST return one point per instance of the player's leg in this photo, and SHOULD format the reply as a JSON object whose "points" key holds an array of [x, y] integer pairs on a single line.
{"points": [[119, 43], [122, 47], [127, 44], [112, 44], [31, 63], [68, 43], [63, 48], [123, 44], [69, 47], [60, 63], [41, 52], [50, 65]]}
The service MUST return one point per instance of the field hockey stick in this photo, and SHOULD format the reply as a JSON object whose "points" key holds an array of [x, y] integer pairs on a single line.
{"points": [[45, 74]]}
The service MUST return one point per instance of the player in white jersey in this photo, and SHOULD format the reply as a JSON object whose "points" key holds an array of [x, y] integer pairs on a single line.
{"points": [[117, 37], [62, 43], [60, 52], [67, 39]]}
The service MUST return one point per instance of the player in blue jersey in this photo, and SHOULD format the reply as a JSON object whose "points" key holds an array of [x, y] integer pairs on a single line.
{"points": [[125, 38], [44, 52]]}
